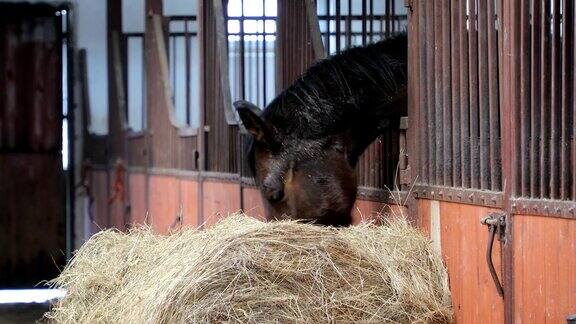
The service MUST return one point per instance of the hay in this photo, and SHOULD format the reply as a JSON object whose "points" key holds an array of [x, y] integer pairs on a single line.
{"points": [[244, 270]]}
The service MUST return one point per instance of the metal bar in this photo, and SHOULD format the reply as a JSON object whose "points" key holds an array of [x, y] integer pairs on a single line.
{"points": [[464, 97], [349, 25], [493, 226], [338, 26], [567, 97], [493, 93], [483, 95], [364, 27], [523, 129], [389, 17], [187, 53], [438, 103], [422, 85], [455, 79], [328, 27], [473, 80], [467, 196], [446, 96], [545, 100], [242, 53], [535, 99], [430, 111], [556, 102], [264, 54], [371, 20]]}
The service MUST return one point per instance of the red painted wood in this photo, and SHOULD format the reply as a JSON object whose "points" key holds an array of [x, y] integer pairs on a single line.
{"points": [[220, 200], [99, 191], [137, 198], [164, 203], [189, 201], [463, 246], [252, 203], [544, 263]]}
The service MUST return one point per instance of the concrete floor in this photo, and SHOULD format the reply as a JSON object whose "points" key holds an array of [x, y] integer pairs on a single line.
{"points": [[22, 313]]}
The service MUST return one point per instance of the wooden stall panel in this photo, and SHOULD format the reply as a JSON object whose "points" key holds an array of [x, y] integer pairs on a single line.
{"points": [[137, 192], [99, 191], [220, 200], [116, 202], [189, 202], [544, 269], [164, 203], [252, 203], [462, 242], [366, 211]]}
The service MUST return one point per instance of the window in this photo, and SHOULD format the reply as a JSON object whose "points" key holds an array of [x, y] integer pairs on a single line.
{"points": [[346, 23], [133, 39], [184, 58], [251, 27]]}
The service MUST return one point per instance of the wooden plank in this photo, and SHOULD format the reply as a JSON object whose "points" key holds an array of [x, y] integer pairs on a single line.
{"points": [[545, 107], [473, 81], [164, 203], [189, 200], [545, 285], [252, 203], [137, 192], [219, 200], [431, 92]]}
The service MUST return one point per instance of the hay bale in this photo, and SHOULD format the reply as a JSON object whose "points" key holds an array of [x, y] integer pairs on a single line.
{"points": [[244, 270]]}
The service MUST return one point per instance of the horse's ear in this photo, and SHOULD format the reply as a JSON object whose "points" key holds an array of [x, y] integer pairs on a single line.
{"points": [[254, 124]]}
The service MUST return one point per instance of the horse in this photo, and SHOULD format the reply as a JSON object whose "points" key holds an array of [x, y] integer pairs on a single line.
{"points": [[306, 143]]}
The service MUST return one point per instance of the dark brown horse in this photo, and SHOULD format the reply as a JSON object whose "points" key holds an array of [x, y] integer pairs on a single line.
{"points": [[307, 141]]}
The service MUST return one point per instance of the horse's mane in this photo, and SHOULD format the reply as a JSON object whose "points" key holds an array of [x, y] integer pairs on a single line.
{"points": [[322, 99]]}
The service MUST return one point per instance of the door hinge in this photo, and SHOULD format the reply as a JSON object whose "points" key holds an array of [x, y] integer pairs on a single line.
{"points": [[496, 223]]}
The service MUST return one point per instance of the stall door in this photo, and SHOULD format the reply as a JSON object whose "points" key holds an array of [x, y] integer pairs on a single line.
{"points": [[32, 186]]}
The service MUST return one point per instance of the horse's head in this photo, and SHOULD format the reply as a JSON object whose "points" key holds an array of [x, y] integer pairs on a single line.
{"points": [[307, 179]]}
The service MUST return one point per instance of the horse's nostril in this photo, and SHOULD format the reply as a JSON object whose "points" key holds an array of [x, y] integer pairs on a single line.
{"points": [[273, 194]]}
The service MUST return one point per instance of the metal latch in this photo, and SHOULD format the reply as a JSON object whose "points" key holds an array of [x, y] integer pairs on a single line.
{"points": [[496, 223]]}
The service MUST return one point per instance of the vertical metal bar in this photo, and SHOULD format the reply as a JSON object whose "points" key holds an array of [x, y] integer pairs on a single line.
{"points": [[535, 101], [393, 16], [349, 25], [556, 101], [567, 97], [483, 95], [473, 80], [494, 116], [371, 20], [455, 84], [545, 100], [464, 97], [264, 54], [187, 53], [338, 26], [524, 126], [328, 20], [389, 16], [422, 86], [438, 69], [242, 52], [364, 27], [430, 85], [446, 96]]}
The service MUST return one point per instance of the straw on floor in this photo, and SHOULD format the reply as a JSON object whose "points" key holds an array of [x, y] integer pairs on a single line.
{"points": [[247, 271]]}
